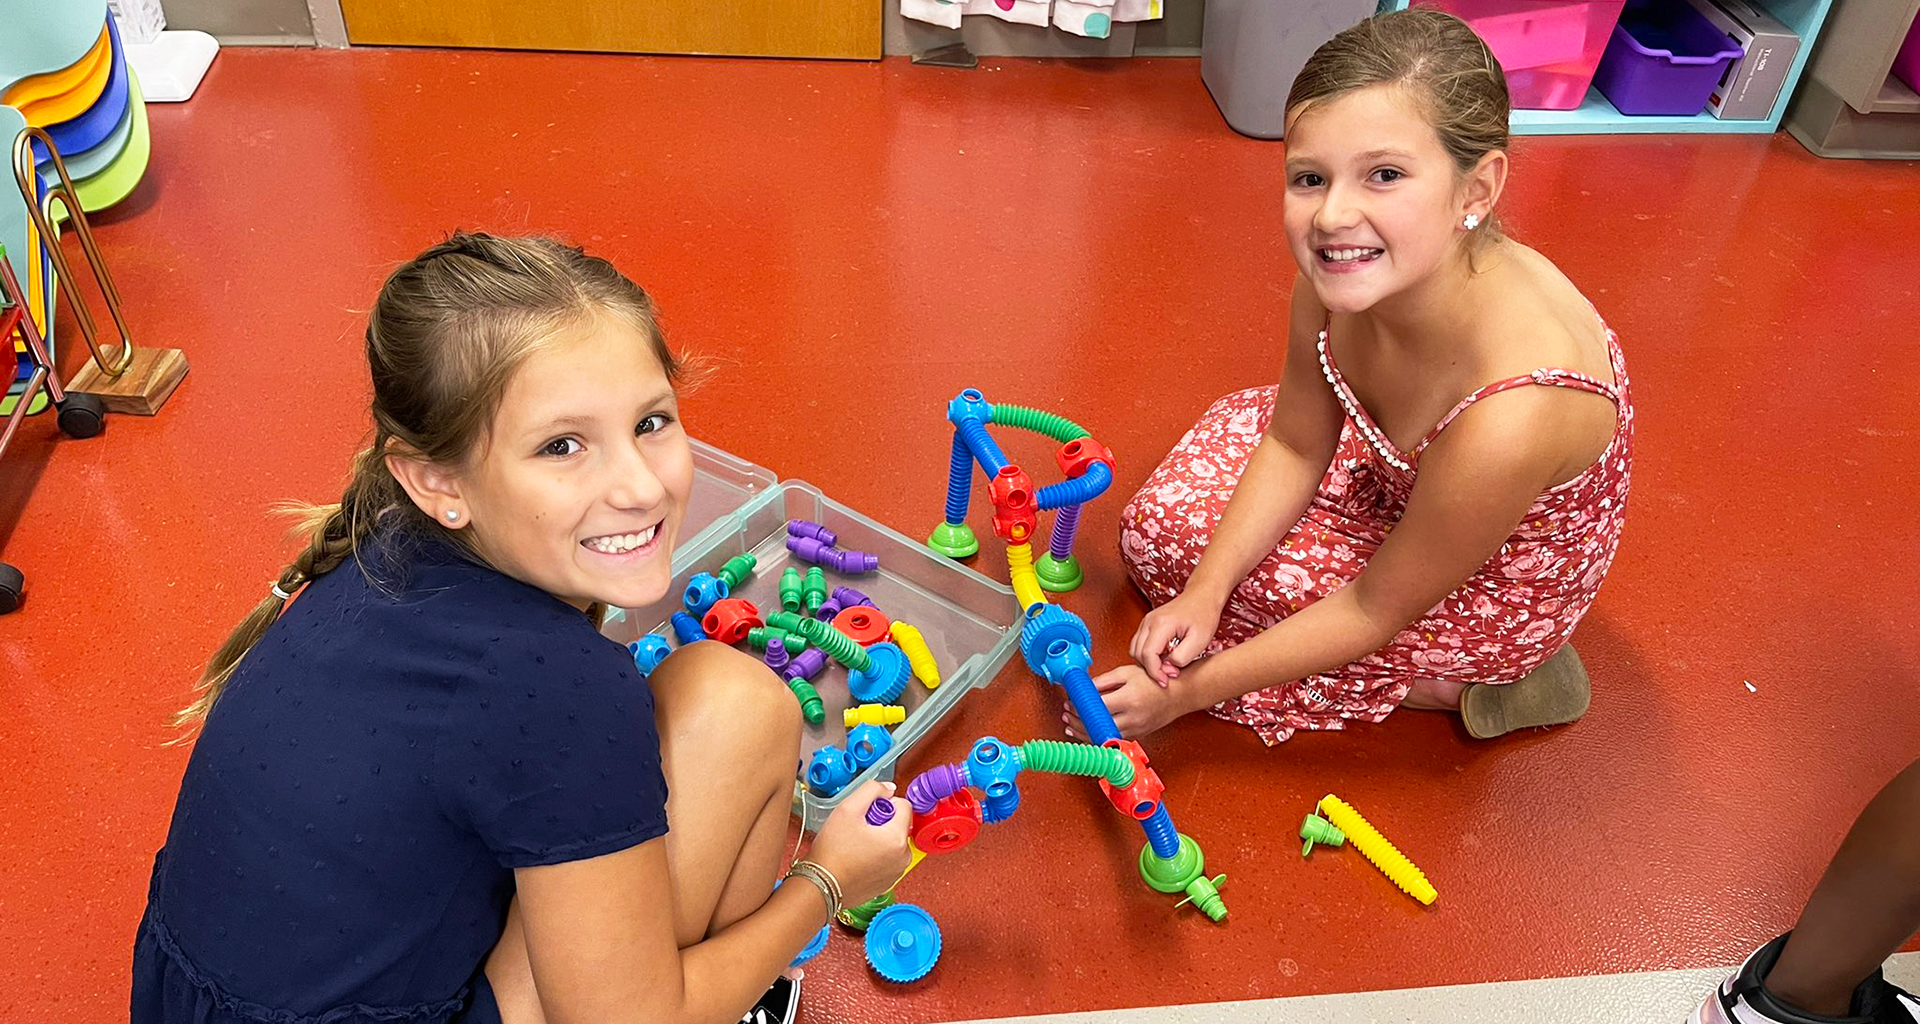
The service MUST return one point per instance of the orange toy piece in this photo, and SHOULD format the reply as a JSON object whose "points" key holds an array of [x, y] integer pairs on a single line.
{"points": [[1142, 797], [865, 626]]}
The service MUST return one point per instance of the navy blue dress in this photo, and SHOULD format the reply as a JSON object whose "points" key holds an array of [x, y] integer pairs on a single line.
{"points": [[412, 729]]}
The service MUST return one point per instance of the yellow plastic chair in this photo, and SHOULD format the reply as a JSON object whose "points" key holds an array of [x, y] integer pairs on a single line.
{"points": [[67, 93]]}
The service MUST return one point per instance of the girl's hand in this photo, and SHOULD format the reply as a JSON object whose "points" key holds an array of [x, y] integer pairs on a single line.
{"points": [[1173, 635], [866, 859], [1138, 704]]}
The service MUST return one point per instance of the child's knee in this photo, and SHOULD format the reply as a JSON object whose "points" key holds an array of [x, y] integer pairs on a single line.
{"points": [[717, 694]]}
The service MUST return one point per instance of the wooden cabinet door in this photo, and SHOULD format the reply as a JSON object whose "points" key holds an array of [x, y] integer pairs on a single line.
{"points": [[748, 28]]}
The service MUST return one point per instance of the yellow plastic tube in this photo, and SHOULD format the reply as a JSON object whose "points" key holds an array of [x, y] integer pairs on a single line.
{"points": [[919, 655], [1371, 843], [1026, 585]]}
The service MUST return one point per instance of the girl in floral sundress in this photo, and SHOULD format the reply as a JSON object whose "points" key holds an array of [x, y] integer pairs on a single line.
{"points": [[1423, 509]]}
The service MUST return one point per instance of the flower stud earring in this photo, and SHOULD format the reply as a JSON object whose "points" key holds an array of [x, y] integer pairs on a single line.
{"points": [[1472, 221]]}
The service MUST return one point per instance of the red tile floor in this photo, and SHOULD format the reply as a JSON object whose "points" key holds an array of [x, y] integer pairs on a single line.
{"points": [[853, 243]]}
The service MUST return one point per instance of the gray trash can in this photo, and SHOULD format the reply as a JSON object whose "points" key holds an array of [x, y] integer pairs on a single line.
{"points": [[1250, 51]]}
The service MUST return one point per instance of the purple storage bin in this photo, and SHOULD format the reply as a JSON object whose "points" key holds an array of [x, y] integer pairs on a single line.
{"points": [[1663, 60], [1906, 65]]}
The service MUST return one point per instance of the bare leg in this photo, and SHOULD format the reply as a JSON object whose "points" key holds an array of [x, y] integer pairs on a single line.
{"points": [[1866, 905], [1434, 695], [729, 746]]}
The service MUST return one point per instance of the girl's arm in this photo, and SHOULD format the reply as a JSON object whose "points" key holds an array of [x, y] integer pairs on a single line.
{"points": [[1476, 482], [1280, 479], [600, 941]]}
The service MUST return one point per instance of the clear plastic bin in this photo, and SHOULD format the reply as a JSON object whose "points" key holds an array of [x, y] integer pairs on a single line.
{"points": [[971, 623], [1548, 48]]}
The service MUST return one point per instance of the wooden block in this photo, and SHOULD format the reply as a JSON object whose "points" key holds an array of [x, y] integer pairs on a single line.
{"points": [[143, 389]]}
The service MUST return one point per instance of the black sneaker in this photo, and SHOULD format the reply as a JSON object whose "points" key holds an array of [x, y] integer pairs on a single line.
{"points": [[780, 1004], [1744, 999]]}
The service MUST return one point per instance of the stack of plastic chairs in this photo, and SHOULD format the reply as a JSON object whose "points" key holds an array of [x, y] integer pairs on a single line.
{"points": [[63, 68]]}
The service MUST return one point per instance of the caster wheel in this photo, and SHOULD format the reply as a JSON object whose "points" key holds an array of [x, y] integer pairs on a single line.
{"points": [[82, 416], [12, 586]]}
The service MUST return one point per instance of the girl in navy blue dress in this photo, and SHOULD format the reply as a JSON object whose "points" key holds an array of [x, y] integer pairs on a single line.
{"points": [[426, 789]]}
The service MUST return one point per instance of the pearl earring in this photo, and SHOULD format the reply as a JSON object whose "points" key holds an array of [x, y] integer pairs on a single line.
{"points": [[1472, 221], [453, 514]]}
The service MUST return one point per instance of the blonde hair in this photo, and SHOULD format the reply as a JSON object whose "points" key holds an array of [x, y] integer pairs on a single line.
{"points": [[446, 334], [1443, 64]]}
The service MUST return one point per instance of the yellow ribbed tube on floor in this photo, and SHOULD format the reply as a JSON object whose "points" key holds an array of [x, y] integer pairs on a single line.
{"points": [[1026, 585], [1368, 840]]}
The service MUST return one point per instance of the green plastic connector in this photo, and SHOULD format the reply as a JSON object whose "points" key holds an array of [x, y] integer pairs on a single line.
{"points": [[954, 540], [1056, 575], [1185, 871], [737, 569], [839, 646], [813, 589], [786, 621], [1204, 893], [790, 599], [1316, 829], [1077, 759], [858, 918], [811, 705], [758, 638]]}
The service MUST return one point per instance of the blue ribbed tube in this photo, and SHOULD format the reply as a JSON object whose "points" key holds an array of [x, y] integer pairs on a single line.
{"points": [[1161, 835], [959, 481], [981, 444], [1091, 709], [1066, 526], [1077, 491]]}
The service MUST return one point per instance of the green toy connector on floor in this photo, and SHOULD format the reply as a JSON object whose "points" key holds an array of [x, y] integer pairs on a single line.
{"points": [[1316, 829], [811, 706], [1185, 871]]}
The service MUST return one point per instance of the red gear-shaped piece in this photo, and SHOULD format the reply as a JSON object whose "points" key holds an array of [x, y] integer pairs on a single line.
{"points": [[865, 626], [1142, 798], [952, 823], [1015, 513], [1075, 456], [729, 620]]}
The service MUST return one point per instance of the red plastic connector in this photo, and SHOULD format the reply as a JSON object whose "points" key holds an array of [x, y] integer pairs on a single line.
{"points": [[729, 620], [1141, 799], [1015, 514], [1075, 456], [866, 626], [952, 823]]}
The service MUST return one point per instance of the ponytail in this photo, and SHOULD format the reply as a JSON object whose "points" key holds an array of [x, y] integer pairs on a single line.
{"points": [[333, 533]]}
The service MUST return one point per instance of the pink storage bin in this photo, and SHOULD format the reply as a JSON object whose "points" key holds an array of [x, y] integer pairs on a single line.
{"points": [[1548, 48], [1906, 65]]}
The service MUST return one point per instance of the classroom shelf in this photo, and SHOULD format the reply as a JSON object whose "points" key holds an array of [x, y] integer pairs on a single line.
{"points": [[1596, 116]]}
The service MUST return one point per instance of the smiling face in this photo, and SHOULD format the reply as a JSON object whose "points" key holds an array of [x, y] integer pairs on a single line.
{"points": [[581, 484], [1374, 204]]}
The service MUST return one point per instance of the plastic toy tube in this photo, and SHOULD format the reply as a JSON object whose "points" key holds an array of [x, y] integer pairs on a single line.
{"points": [[1077, 491], [1368, 840], [934, 785], [1026, 585], [959, 481], [1077, 759], [1066, 526], [980, 443], [1161, 834], [1024, 417]]}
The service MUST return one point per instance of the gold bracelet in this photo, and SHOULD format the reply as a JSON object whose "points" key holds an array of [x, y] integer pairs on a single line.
{"points": [[829, 885]]}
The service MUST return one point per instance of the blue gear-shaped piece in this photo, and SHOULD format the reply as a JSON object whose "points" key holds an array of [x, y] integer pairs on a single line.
{"points": [[1055, 641], [885, 677], [903, 943]]}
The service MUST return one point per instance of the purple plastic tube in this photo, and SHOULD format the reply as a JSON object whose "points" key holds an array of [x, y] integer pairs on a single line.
{"points": [[934, 785], [809, 529], [880, 811]]}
